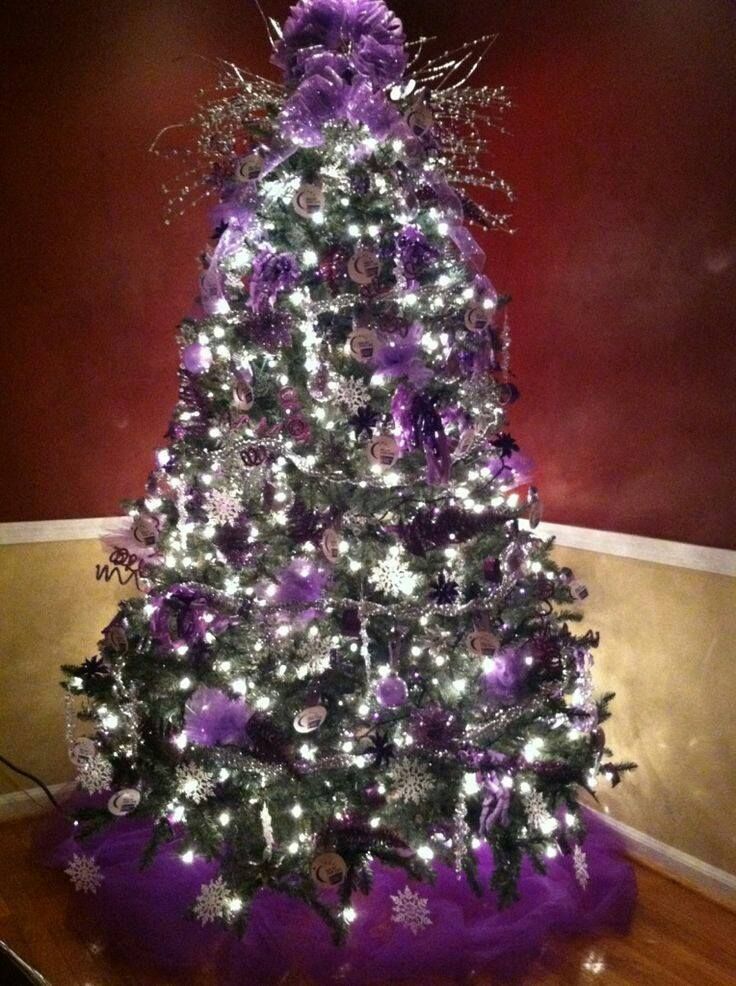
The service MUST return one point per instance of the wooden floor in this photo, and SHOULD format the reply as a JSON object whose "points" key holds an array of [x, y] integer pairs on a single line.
{"points": [[678, 938]]}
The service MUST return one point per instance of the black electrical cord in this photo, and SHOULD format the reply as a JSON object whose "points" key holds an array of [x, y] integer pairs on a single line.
{"points": [[36, 780]]}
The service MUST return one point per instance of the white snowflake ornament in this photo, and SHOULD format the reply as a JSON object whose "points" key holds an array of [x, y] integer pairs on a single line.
{"points": [[95, 774], [536, 810], [411, 779], [213, 901], [351, 392], [84, 873], [194, 782], [410, 910], [222, 508], [580, 866], [392, 576]]}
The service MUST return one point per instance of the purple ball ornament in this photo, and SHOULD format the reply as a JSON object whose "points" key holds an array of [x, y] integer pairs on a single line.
{"points": [[197, 358], [391, 691]]}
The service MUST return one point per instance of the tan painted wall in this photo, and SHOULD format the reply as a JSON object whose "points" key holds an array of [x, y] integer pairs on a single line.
{"points": [[668, 650]]}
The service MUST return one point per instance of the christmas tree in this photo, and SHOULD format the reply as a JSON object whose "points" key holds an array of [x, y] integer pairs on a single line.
{"points": [[351, 647]]}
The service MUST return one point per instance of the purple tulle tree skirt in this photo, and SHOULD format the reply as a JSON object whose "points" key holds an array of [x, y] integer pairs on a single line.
{"points": [[142, 914]]}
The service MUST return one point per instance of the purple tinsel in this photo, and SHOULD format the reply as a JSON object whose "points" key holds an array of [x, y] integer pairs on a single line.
{"points": [[212, 718], [272, 274], [401, 357], [504, 682], [184, 614], [361, 38]]}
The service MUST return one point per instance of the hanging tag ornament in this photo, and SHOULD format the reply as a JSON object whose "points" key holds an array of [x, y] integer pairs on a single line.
{"points": [[82, 751], [124, 802], [363, 266], [146, 529], [308, 199], [328, 869], [383, 451], [477, 318], [243, 397], [482, 642], [330, 545], [249, 168], [310, 719], [361, 344]]}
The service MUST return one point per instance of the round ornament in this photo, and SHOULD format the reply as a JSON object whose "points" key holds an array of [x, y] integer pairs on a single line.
{"points": [[328, 869], [310, 719], [391, 691], [145, 530], [197, 358], [124, 802], [249, 168], [330, 545], [363, 266], [383, 451], [308, 199], [482, 643], [477, 318], [420, 118], [83, 750], [362, 344], [243, 397]]}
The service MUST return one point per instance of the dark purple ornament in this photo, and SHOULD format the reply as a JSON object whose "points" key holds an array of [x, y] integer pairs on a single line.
{"points": [[196, 358], [391, 691]]}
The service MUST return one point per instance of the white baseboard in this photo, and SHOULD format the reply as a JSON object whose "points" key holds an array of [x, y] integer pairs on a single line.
{"points": [[29, 801], [706, 879]]}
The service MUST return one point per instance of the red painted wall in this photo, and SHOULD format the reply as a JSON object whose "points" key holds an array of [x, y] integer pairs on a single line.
{"points": [[622, 150]]}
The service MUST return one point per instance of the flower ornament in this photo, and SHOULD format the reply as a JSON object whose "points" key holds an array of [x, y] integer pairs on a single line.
{"points": [[361, 38], [184, 615]]}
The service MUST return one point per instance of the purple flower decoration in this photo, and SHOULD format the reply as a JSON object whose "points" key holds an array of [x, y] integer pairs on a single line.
{"points": [[434, 728], [212, 718], [270, 328], [362, 38], [300, 582], [415, 251], [272, 274], [232, 541], [184, 614], [504, 682], [400, 357]]}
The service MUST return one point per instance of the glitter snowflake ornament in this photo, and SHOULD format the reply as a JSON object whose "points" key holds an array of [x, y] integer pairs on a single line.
{"points": [[84, 873], [536, 810], [410, 910], [213, 901], [411, 780], [222, 508], [351, 392], [392, 576], [580, 866], [194, 782], [95, 775]]}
